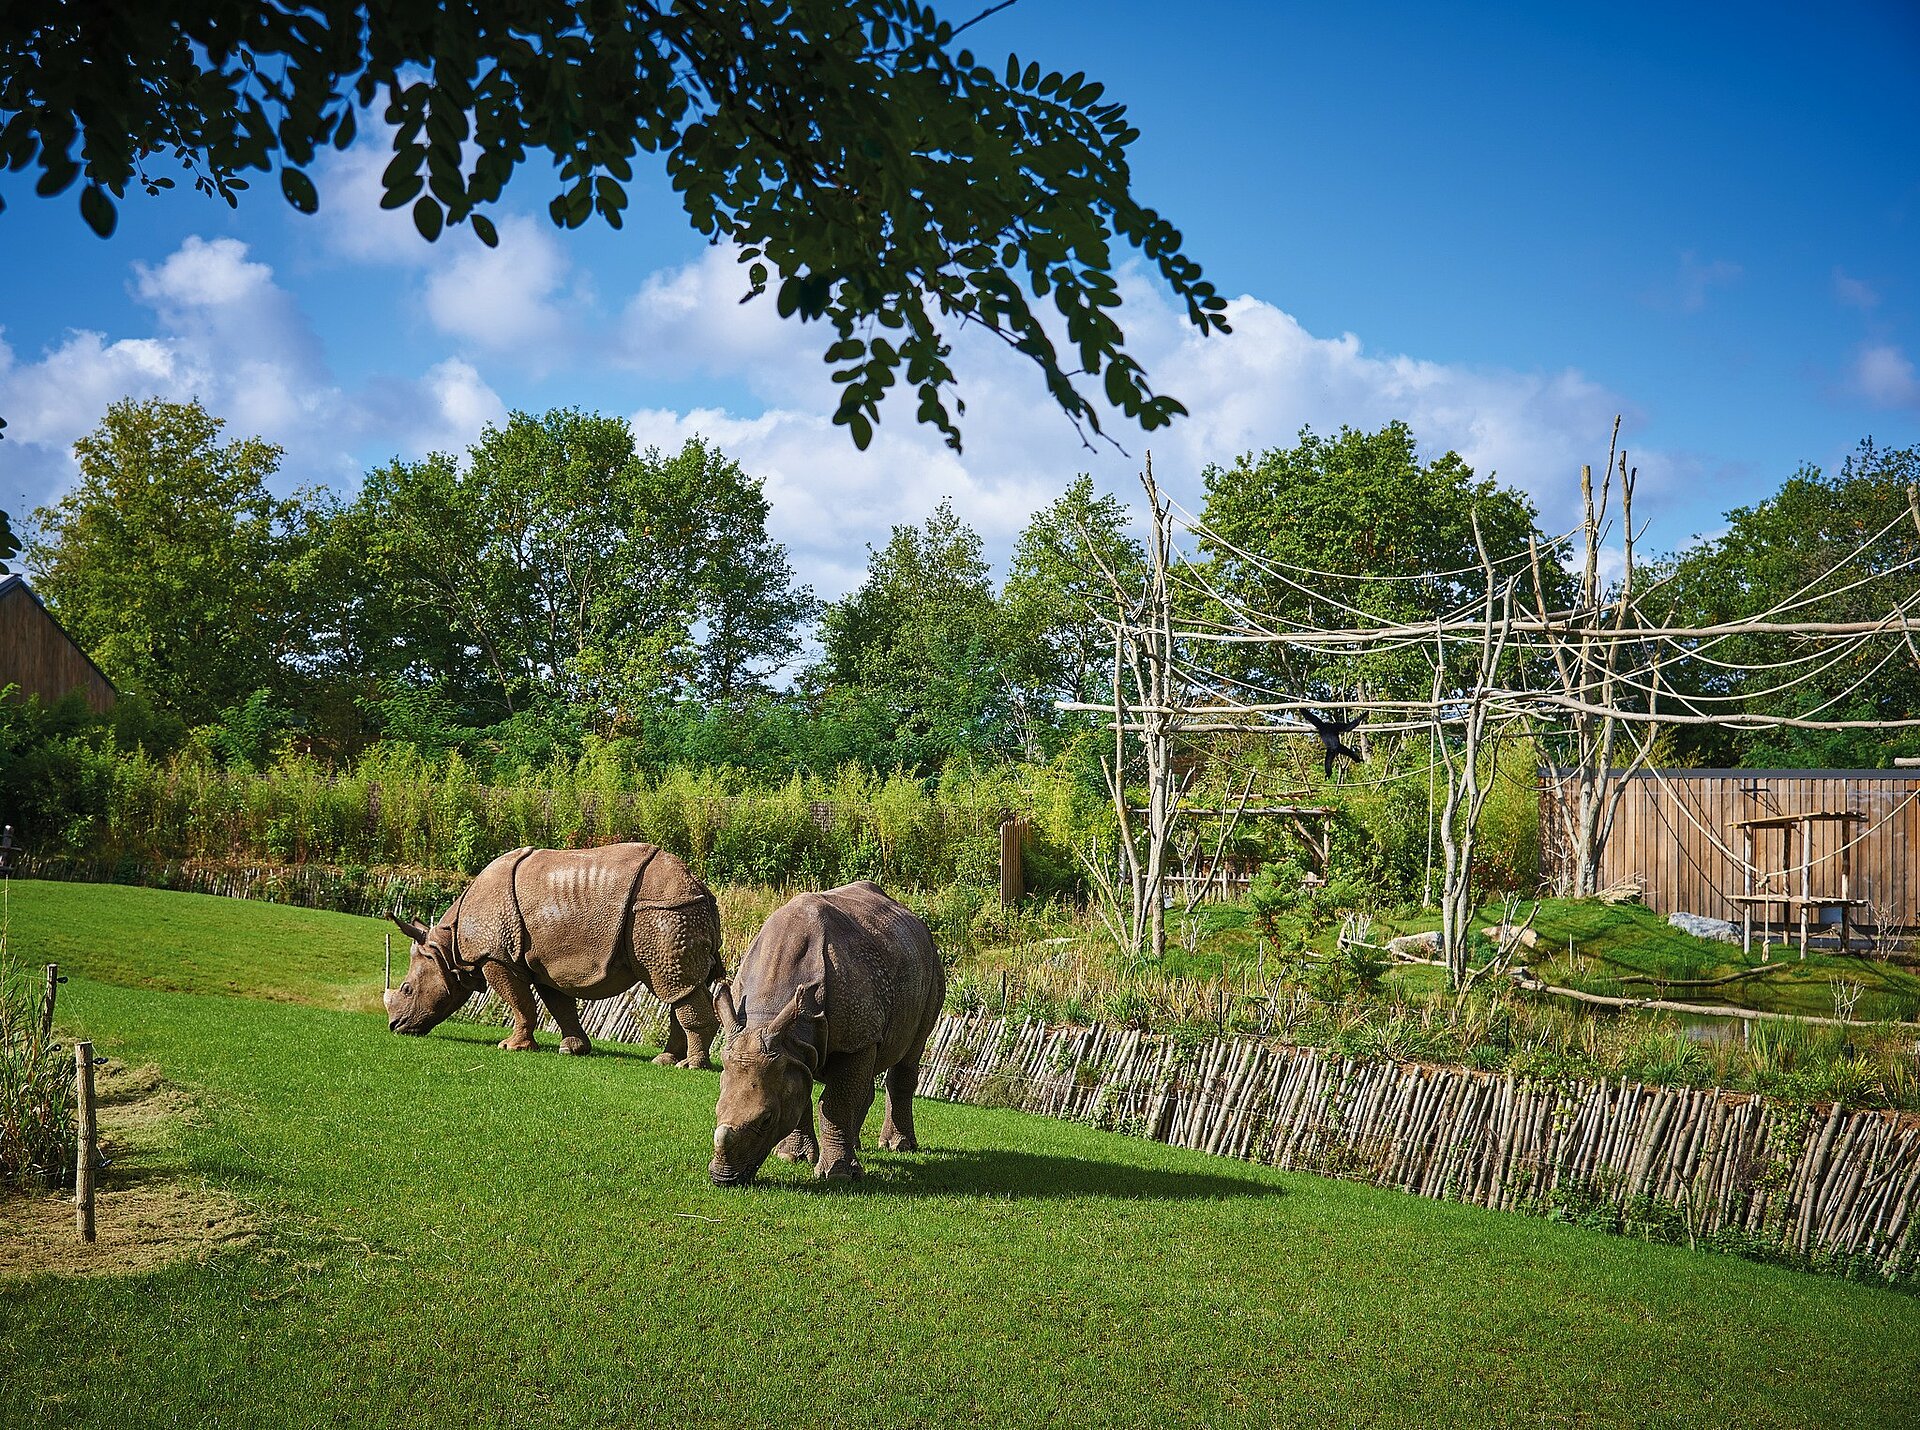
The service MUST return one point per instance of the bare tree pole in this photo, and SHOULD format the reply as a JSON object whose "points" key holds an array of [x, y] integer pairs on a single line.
{"points": [[1467, 784], [1587, 669], [1149, 703]]}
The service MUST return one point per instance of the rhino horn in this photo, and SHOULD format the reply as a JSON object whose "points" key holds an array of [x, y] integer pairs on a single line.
{"points": [[723, 1004]]}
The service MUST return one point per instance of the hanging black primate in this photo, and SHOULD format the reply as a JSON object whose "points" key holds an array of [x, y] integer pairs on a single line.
{"points": [[1330, 732]]}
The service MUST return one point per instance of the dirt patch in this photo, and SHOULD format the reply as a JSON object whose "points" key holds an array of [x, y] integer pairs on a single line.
{"points": [[147, 1213]]}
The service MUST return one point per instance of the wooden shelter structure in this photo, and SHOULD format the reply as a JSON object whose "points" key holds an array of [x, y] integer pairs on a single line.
{"points": [[1696, 842], [1208, 875], [1769, 888], [38, 657]]}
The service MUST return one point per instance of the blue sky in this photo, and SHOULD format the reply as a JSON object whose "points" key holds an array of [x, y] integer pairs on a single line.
{"points": [[1502, 223]]}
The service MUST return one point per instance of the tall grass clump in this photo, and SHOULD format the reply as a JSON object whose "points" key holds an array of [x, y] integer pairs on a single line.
{"points": [[36, 1088], [399, 810]]}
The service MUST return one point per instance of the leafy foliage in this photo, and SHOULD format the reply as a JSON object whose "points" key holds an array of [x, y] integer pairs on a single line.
{"points": [[170, 560], [1360, 504], [874, 176], [917, 647], [1064, 566], [1770, 553], [559, 564]]}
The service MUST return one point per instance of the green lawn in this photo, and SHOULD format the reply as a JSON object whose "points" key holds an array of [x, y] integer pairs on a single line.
{"points": [[201, 943], [456, 1235]]}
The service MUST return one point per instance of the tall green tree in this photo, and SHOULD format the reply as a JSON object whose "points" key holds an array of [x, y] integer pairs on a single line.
{"points": [[559, 565], [1799, 545], [1313, 532], [171, 562], [1059, 585], [915, 655], [876, 175]]}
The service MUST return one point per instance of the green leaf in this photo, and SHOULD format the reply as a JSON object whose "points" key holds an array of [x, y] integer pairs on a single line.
{"points": [[97, 209], [426, 218], [299, 191], [484, 230]]}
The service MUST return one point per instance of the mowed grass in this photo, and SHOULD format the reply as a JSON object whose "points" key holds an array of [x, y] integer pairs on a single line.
{"points": [[201, 943], [456, 1235]]}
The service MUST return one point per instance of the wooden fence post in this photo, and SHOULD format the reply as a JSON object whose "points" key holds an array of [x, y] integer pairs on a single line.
{"points": [[46, 1003], [1012, 880], [88, 1135]]}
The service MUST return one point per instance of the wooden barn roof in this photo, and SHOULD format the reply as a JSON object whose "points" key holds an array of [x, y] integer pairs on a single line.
{"points": [[38, 655]]}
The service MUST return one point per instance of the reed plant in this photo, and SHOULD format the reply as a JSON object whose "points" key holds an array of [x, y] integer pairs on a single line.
{"points": [[397, 810], [36, 1086]]}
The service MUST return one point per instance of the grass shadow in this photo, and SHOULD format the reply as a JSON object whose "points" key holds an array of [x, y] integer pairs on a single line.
{"points": [[487, 1036], [1020, 1176]]}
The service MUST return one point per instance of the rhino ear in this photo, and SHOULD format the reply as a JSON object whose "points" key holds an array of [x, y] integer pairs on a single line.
{"points": [[782, 1035], [415, 931], [723, 1005]]}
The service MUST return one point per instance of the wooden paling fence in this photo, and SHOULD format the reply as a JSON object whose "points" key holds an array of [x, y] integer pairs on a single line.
{"points": [[1822, 1185], [310, 886], [632, 1017], [1829, 1185]]}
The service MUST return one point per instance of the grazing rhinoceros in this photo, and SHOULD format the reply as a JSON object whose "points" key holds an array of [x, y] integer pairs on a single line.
{"points": [[570, 924], [836, 988]]}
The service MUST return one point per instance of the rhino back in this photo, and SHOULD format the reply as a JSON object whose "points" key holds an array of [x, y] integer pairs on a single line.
{"points": [[486, 925], [883, 980], [600, 920]]}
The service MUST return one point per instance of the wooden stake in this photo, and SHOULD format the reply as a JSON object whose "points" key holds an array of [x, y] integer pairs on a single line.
{"points": [[46, 1004], [88, 1135]]}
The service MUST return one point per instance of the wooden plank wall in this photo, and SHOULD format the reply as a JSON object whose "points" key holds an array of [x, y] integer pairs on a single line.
{"points": [[37, 656], [1675, 833]]}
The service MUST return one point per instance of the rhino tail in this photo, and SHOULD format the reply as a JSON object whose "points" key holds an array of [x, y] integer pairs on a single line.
{"points": [[717, 972]]}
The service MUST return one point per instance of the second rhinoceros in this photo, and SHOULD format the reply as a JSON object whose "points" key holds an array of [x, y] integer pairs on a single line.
{"points": [[837, 987], [569, 924]]}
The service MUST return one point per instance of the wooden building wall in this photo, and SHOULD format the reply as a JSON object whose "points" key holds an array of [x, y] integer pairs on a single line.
{"points": [[1675, 832], [38, 656]]}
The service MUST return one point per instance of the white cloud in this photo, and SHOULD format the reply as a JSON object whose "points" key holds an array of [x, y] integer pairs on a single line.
{"points": [[1248, 391], [1884, 376], [520, 298], [691, 320], [1687, 291], [223, 331], [350, 220], [510, 297], [1854, 292]]}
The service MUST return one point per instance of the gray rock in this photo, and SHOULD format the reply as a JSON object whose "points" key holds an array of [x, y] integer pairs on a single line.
{"points": [[1700, 926]]}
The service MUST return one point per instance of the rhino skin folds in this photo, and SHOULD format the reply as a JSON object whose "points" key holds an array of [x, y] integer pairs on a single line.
{"points": [[567, 924]]}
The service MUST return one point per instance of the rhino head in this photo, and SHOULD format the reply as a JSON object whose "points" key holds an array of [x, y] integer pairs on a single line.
{"points": [[765, 1084], [433, 985]]}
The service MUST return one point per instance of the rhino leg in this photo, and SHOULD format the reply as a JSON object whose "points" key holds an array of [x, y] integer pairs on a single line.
{"points": [[566, 1016], [515, 989], [800, 1144], [697, 1022], [675, 1047], [844, 1102], [896, 1133]]}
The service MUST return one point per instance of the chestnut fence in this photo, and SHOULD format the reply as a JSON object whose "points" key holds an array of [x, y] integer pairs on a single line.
{"points": [[1817, 1185]]}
